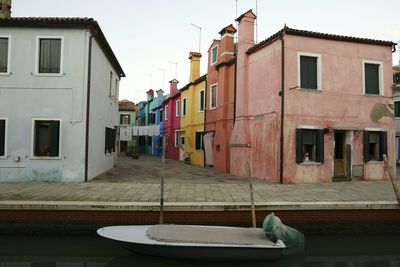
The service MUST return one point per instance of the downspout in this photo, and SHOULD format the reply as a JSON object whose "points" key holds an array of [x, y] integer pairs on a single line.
{"points": [[282, 94], [234, 88], [205, 121], [88, 106]]}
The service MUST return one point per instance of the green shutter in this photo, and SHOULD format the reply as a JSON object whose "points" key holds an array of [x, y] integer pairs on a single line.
{"points": [[320, 146], [299, 146], [371, 79], [308, 72], [382, 145], [54, 138], [2, 137], [3, 54], [397, 109], [366, 146]]}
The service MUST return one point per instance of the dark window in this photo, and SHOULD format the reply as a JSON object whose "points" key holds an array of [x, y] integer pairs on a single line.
{"points": [[184, 107], [109, 140], [125, 119], [50, 56], [178, 108], [199, 140], [149, 140], [309, 145], [3, 54], [176, 138], [111, 78], [2, 137], [396, 77], [214, 54], [308, 72], [397, 109], [47, 139], [375, 145], [161, 115], [371, 79], [201, 108], [152, 118]]}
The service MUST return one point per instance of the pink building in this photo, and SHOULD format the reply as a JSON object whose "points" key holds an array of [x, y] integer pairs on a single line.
{"points": [[171, 108], [220, 100], [330, 122]]}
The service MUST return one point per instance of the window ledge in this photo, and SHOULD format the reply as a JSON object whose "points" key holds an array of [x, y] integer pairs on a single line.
{"points": [[310, 163], [309, 90], [373, 95], [211, 108], [5, 73], [46, 158], [375, 162], [109, 154], [3, 157], [48, 74]]}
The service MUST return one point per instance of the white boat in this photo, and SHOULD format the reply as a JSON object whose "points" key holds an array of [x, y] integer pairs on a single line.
{"points": [[196, 242]]}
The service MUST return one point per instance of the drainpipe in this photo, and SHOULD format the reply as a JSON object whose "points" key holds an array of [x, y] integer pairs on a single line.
{"points": [[282, 94], [88, 106], [234, 88], [205, 121]]}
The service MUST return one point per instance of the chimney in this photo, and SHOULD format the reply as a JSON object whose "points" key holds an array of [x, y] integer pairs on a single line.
{"points": [[150, 94], [194, 66], [5, 9], [160, 92], [227, 47], [173, 86]]}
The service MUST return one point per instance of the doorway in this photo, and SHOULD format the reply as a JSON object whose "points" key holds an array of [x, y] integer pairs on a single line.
{"points": [[342, 157], [182, 147]]}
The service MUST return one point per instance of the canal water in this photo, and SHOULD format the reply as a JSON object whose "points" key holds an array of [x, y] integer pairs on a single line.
{"points": [[93, 251]]}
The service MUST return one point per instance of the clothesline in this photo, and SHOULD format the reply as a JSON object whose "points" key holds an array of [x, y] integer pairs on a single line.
{"points": [[127, 132]]}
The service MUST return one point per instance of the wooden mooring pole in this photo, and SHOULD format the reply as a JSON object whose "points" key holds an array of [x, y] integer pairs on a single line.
{"points": [[392, 179], [253, 209]]}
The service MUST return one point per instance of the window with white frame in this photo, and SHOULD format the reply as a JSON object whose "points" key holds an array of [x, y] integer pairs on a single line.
{"points": [[176, 138], [116, 89], [199, 141], [50, 55], [201, 99], [375, 145], [4, 54], [184, 106], [214, 54], [372, 77], [309, 145], [166, 112], [110, 93], [178, 108], [3, 124], [213, 96], [309, 71], [46, 138]]}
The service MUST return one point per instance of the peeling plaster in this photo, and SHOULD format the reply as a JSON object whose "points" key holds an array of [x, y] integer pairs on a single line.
{"points": [[379, 111]]}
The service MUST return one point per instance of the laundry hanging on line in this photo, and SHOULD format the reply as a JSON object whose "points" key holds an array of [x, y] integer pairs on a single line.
{"points": [[150, 130]]}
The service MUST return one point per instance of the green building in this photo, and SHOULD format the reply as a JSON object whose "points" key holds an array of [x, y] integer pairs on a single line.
{"points": [[127, 116]]}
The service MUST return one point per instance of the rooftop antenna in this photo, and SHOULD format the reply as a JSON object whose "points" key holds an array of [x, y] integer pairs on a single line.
{"points": [[163, 77], [256, 23], [198, 27], [151, 79], [176, 68]]}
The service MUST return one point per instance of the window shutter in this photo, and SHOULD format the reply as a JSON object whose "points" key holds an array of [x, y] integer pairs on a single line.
{"points": [[2, 137], [3, 54], [54, 138], [105, 140], [308, 72], [320, 146], [299, 146], [371, 79], [382, 145], [366, 146]]}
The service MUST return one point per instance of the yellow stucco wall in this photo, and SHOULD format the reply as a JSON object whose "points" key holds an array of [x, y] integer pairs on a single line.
{"points": [[193, 121]]}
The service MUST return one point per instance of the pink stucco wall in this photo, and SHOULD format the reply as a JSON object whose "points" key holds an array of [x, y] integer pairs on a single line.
{"points": [[339, 105], [172, 123]]}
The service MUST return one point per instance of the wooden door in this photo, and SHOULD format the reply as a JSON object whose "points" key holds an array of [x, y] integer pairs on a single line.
{"points": [[339, 168]]}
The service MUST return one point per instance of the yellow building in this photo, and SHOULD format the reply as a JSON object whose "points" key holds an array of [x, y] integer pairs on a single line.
{"points": [[192, 113]]}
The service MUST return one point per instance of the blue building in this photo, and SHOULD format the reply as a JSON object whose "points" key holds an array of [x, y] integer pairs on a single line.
{"points": [[142, 122], [157, 114]]}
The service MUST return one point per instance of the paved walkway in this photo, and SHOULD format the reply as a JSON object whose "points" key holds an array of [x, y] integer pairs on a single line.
{"points": [[136, 183]]}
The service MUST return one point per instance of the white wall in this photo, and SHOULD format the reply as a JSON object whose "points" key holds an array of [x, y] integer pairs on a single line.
{"points": [[24, 96], [103, 112]]}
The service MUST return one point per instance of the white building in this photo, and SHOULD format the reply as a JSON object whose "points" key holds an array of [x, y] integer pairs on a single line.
{"points": [[58, 100]]}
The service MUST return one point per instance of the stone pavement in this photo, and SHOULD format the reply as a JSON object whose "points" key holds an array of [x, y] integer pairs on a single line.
{"points": [[136, 183]]}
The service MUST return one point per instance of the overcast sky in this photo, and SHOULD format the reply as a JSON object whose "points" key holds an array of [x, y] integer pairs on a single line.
{"points": [[148, 34]]}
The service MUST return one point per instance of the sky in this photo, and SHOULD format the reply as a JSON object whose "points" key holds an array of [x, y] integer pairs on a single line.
{"points": [[152, 38]]}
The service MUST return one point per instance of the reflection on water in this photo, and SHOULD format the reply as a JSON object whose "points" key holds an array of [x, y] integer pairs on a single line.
{"points": [[92, 251]]}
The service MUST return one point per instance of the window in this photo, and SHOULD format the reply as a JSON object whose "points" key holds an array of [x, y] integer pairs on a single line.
{"points": [[50, 55], [375, 145], [396, 109], [214, 54], [166, 112], [309, 71], [213, 96], [199, 141], [372, 72], [183, 106], [176, 138], [125, 119], [4, 54], [110, 89], [161, 115], [152, 118], [178, 108], [2, 137], [116, 89], [396, 78], [109, 141], [397, 149], [46, 138], [201, 100], [309, 145]]}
